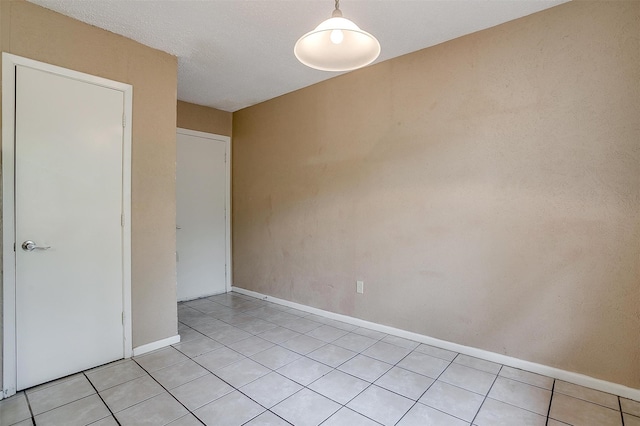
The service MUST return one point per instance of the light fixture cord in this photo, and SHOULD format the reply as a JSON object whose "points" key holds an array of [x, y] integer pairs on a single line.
{"points": [[337, 13]]}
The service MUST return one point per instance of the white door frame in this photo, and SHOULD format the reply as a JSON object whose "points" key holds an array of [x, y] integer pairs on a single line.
{"points": [[227, 190], [9, 63]]}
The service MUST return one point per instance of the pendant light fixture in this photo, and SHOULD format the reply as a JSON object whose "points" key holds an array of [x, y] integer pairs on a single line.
{"points": [[337, 44]]}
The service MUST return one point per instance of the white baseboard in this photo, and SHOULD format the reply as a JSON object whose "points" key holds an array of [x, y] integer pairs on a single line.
{"points": [[158, 344], [545, 370]]}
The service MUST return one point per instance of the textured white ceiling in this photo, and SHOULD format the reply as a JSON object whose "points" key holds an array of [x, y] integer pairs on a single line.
{"points": [[236, 53]]}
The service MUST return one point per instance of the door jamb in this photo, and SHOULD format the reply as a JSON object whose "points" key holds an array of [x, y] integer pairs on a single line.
{"points": [[9, 63], [227, 201]]}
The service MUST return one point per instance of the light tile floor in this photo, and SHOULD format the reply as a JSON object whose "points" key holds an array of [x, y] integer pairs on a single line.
{"points": [[245, 361]]}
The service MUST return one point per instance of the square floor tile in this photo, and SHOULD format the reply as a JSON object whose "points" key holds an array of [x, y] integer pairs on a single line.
{"points": [[521, 395], [67, 378], [201, 391], [306, 408], [345, 417], [421, 415], [188, 420], [28, 422], [300, 325], [424, 364], [256, 326], [238, 318], [179, 374], [304, 370], [14, 409], [579, 412], [552, 422], [188, 334], [340, 325], [468, 378], [242, 372], [437, 352], [303, 344], [339, 386], [386, 352], [332, 355], [160, 359], [453, 400], [113, 375], [263, 312], [229, 335], [527, 377], [275, 357], [157, 411], [233, 409], [366, 368], [405, 382], [211, 326], [587, 394], [251, 345], [60, 394], [267, 419], [107, 421], [130, 393], [327, 333], [270, 389], [218, 359], [402, 342], [496, 413], [478, 364], [196, 347], [377, 335], [381, 405], [278, 334], [283, 318], [354, 342], [630, 406], [630, 420], [78, 413]]}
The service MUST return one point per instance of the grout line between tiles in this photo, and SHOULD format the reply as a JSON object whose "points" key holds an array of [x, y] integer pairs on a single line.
{"points": [[33, 418], [101, 399], [167, 390], [486, 396], [620, 408], [553, 386], [429, 387]]}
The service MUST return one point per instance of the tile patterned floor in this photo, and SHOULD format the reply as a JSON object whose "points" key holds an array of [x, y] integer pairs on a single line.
{"points": [[244, 361]]}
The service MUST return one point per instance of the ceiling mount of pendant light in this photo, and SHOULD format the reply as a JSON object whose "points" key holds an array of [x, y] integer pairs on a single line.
{"points": [[337, 44]]}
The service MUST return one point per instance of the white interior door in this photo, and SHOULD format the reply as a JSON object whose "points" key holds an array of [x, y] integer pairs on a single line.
{"points": [[68, 202], [201, 194]]}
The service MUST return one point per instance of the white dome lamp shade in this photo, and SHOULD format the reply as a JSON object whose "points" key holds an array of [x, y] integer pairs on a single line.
{"points": [[337, 44]]}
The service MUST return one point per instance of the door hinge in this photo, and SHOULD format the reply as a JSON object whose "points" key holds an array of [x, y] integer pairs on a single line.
{"points": [[124, 120], [122, 317]]}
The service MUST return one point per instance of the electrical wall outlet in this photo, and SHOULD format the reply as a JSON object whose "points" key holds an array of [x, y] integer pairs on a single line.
{"points": [[360, 287]]}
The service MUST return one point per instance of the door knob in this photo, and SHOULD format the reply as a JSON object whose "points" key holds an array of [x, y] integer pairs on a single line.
{"points": [[31, 246]]}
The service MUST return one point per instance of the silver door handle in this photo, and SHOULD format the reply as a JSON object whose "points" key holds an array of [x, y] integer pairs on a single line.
{"points": [[31, 246]]}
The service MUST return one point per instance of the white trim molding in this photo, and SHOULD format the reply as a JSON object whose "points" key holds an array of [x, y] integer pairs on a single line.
{"points": [[9, 64], [545, 370], [158, 344], [227, 201]]}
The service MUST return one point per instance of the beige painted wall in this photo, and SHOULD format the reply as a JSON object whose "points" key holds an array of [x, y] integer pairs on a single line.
{"points": [[37, 33], [487, 191], [204, 119]]}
